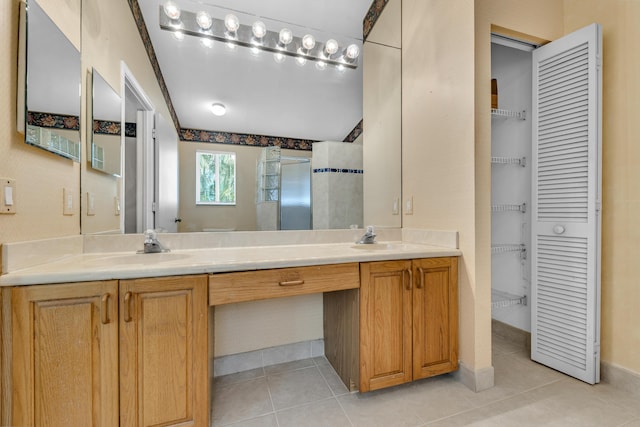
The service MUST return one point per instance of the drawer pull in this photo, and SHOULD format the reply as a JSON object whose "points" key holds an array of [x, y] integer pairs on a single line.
{"points": [[421, 281], [104, 309], [127, 307], [291, 283], [410, 284]]}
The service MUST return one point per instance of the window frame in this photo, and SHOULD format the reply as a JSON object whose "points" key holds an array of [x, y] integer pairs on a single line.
{"points": [[217, 155]]}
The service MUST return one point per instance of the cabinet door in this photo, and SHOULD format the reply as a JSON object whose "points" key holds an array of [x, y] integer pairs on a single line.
{"points": [[163, 352], [65, 354], [385, 324], [435, 317]]}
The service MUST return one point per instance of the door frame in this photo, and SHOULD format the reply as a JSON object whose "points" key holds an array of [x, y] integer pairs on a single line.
{"points": [[145, 176]]}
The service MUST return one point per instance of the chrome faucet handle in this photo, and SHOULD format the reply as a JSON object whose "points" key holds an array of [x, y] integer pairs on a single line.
{"points": [[369, 236], [151, 243]]}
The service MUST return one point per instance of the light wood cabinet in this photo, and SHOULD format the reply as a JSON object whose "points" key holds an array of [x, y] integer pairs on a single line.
{"points": [[65, 355], [408, 321], [109, 354], [164, 352]]}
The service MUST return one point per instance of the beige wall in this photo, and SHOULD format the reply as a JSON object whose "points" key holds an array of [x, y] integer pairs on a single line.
{"points": [[620, 335], [40, 176], [381, 108], [104, 46], [242, 216], [438, 147]]}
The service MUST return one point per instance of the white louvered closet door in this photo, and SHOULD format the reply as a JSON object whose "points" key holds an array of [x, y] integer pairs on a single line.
{"points": [[565, 324]]}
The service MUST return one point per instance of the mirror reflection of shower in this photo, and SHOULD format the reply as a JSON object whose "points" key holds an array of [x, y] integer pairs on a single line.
{"points": [[295, 194], [283, 191]]}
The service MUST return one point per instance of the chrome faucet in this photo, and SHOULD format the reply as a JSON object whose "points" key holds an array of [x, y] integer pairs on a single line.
{"points": [[368, 238], [151, 243]]}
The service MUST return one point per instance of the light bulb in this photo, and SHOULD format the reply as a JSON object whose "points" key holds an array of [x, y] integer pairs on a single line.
{"points": [[255, 51], [278, 57], [308, 42], [301, 60], [286, 36], [321, 65], [171, 10], [352, 51], [259, 29], [207, 43], [218, 109], [232, 23], [204, 20], [179, 35], [331, 47]]}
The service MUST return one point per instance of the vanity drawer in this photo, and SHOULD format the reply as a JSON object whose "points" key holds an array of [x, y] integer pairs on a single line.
{"points": [[226, 288]]}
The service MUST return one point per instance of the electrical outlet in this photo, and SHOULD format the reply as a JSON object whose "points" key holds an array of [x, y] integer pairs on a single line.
{"points": [[396, 206], [116, 206], [91, 204], [67, 201], [408, 206], [8, 196]]}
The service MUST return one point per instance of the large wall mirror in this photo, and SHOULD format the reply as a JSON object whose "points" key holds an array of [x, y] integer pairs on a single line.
{"points": [[52, 86], [384, 166], [107, 127]]}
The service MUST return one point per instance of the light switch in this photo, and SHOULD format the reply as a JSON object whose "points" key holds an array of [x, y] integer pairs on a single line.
{"points": [[8, 196], [116, 205], [408, 206], [91, 204], [396, 206], [67, 201]]}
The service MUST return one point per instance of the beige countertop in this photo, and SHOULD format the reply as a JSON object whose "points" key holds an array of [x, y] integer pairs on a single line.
{"points": [[129, 265]]}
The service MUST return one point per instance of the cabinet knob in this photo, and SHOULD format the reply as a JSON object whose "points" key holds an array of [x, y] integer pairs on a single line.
{"points": [[558, 229]]}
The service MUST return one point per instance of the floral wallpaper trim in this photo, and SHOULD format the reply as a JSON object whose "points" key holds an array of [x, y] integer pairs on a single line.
{"points": [[106, 127], [355, 133], [130, 130], [146, 40], [52, 120], [372, 16], [338, 170], [197, 135]]}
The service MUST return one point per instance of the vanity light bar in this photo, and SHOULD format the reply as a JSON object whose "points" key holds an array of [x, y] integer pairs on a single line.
{"points": [[270, 42]]}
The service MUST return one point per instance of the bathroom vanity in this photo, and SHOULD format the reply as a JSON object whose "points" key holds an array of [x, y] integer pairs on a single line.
{"points": [[131, 347]]}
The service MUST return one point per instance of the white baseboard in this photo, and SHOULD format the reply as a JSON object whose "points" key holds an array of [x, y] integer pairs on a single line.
{"points": [[476, 381], [233, 363], [620, 377]]}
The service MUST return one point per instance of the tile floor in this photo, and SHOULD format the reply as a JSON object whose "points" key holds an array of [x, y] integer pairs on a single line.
{"points": [[308, 393]]}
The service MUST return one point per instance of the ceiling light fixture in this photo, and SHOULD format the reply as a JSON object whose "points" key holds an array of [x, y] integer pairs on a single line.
{"points": [[281, 43], [204, 20], [285, 36], [259, 30], [171, 10], [218, 109], [331, 47], [231, 23], [308, 42]]}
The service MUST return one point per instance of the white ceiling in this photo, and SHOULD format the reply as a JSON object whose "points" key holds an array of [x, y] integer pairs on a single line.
{"points": [[262, 96]]}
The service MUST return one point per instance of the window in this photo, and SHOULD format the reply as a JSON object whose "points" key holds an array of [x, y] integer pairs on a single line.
{"points": [[215, 178]]}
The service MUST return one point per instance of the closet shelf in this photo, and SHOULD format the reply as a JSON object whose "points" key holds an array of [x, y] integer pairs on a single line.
{"points": [[500, 299], [501, 248], [509, 208], [499, 112], [522, 161]]}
